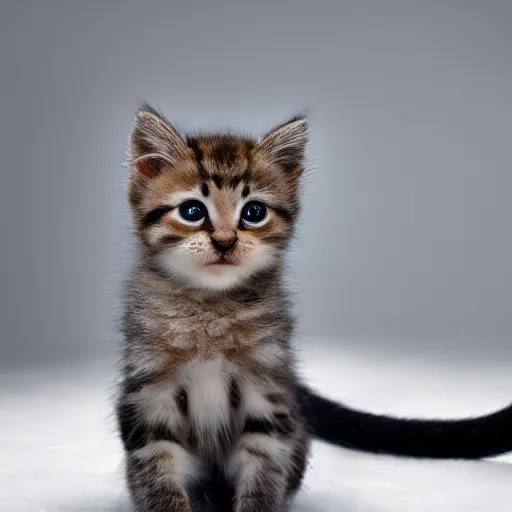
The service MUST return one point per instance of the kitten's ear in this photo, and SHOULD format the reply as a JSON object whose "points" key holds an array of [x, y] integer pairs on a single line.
{"points": [[285, 145], [155, 144]]}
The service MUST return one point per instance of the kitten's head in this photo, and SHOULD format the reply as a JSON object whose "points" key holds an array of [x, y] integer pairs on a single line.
{"points": [[214, 210]]}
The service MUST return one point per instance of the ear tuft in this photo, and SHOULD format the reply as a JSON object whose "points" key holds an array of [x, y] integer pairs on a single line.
{"points": [[155, 143], [285, 145]]}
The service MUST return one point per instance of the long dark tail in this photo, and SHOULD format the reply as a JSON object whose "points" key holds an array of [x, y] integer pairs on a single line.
{"points": [[471, 438]]}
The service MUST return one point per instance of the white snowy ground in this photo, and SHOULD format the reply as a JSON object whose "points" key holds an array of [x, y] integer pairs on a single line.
{"points": [[59, 451]]}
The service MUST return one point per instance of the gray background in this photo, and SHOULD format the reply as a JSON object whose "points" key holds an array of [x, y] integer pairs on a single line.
{"points": [[405, 238]]}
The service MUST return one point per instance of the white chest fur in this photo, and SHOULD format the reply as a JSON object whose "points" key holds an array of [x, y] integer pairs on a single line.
{"points": [[207, 386], [210, 414]]}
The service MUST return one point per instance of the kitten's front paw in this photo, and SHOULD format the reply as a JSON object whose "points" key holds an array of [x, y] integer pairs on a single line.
{"points": [[176, 501], [257, 503]]}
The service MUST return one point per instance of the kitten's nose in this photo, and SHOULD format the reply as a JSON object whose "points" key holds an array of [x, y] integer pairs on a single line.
{"points": [[224, 244]]}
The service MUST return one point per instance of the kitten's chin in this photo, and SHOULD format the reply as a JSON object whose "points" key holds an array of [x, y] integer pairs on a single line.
{"points": [[217, 277], [220, 277]]}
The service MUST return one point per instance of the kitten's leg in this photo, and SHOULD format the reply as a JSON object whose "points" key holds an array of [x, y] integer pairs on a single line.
{"points": [[260, 478], [158, 477], [268, 464], [298, 464], [159, 470]]}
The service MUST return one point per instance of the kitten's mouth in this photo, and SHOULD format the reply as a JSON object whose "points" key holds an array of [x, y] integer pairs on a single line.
{"points": [[221, 261]]}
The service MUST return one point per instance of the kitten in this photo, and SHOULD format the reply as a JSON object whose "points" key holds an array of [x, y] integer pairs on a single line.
{"points": [[210, 410]]}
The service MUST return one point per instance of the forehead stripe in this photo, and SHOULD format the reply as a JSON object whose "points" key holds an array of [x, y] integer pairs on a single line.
{"points": [[221, 153], [218, 180], [236, 180], [198, 153]]}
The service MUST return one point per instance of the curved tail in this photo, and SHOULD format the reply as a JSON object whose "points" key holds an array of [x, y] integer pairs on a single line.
{"points": [[471, 438]]}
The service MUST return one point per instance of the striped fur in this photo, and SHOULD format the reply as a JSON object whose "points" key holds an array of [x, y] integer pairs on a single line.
{"points": [[208, 408]]}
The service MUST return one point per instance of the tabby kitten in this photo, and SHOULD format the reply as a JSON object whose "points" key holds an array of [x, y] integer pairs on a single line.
{"points": [[210, 410]]}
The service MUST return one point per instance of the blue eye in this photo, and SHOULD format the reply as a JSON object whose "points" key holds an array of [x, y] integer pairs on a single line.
{"points": [[193, 211], [254, 212]]}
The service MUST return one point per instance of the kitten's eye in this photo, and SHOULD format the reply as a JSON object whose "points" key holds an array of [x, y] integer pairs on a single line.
{"points": [[254, 213], [193, 212]]}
